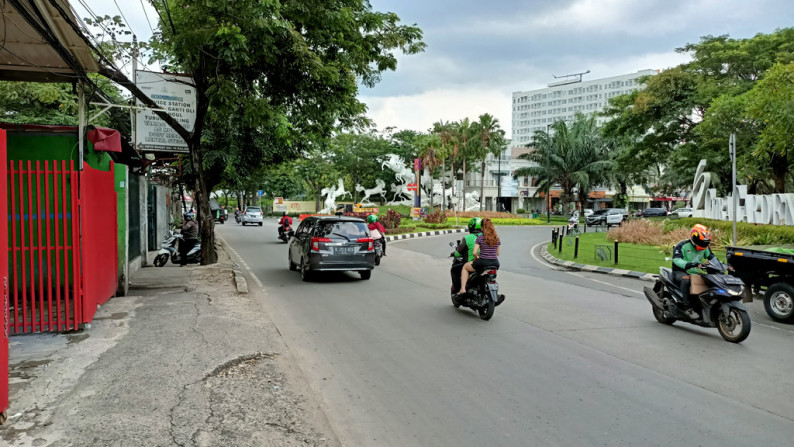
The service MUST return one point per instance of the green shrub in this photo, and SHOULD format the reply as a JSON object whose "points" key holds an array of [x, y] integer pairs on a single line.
{"points": [[747, 233], [521, 211]]}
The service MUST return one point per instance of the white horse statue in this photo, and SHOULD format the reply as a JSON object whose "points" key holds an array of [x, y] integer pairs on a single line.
{"points": [[401, 172], [472, 202], [331, 194], [379, 189]]}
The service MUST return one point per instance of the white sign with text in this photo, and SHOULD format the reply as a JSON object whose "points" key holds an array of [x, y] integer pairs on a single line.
{"points": [[775, 209], [176, 95]]}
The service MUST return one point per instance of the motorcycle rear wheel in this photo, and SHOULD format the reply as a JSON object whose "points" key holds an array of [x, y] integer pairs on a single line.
{"points": [[486, 312], [659, 315], [736, 327]]}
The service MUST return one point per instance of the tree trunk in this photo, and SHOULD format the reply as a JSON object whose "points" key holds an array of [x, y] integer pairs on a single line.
{"points": [[779, 171], [482, 184]]}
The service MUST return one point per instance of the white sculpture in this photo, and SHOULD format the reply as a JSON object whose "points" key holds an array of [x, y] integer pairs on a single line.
{"points": [[404, 174], [380, 188], [401, 172], [331, 194], [401, 191]]}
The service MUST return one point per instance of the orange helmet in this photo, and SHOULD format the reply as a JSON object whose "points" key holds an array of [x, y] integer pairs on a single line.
{"points": [[700, 237]]}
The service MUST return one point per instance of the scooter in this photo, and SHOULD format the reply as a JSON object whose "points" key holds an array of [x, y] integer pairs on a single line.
{"points": [[286, 234], [482, 291], [169, 249], [719, 304], [378, 243]]}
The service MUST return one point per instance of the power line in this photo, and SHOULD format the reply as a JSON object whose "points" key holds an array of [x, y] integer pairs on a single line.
{"points": [[123, 17], [147, 16]]}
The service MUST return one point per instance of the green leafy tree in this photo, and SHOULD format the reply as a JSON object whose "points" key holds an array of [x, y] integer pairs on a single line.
{"points": [[291, 65], [573, 156], [771, 104]]}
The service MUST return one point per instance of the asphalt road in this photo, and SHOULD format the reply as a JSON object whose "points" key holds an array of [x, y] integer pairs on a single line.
{"points": [[568, 359]]}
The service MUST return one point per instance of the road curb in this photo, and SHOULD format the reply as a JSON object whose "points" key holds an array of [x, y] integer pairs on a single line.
{"points": [[239, 278], [544, 253], [399, 237]]}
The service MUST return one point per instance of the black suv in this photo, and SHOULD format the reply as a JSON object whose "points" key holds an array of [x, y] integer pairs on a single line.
{"points": [[653, 212], [332, 243]]}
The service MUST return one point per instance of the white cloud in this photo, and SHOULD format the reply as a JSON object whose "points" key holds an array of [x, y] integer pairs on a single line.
{"points": [[419, 112]]}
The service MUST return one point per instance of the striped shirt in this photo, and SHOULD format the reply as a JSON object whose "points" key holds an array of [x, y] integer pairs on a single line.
{"points": [[487, 251]]}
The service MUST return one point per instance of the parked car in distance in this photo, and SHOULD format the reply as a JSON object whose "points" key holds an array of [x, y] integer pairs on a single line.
{"points": [[614, 216], [252, 215], [332, 243], [596, 218], [683, 212], [587, 212], [653, 212]]}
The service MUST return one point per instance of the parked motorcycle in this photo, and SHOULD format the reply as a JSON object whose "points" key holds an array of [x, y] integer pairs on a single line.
{"points": [[718, 302], [482, 291], [286, 234], [169, 249]]}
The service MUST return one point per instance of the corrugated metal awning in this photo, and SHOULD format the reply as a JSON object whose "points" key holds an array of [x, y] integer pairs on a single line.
{"points": [[40, 43]]}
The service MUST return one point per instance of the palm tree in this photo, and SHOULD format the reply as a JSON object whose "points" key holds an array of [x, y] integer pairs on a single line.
{"points": [[451, 147], [490, 139], [463, 131], [575, 157], [429, 151]]}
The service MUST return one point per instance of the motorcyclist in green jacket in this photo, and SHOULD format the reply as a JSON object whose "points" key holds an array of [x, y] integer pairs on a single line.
{"points": [[465, 249], [688, 257]]}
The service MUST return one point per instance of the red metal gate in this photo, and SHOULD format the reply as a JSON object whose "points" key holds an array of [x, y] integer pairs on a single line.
{"points": [[45, 274], [3, 280]]}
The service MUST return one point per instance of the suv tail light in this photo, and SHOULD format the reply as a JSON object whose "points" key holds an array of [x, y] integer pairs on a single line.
{"points": [[316, 242], [370, 242]]}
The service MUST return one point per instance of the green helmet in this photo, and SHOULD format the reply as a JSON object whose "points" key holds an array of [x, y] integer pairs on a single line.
{"points": [[372, 218], [475, 225]]}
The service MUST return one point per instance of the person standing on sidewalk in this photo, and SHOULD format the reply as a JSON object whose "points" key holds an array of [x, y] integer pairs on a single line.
{"points": [[189, 238]]}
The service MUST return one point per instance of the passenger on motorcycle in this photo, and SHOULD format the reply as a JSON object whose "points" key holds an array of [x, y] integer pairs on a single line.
{"points": [[486, 253], [688, 256], [465, 249], [284, 223], [374, 225]]}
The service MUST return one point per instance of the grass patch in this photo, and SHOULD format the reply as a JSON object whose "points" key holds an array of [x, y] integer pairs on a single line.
{"points": [[636, 257]]}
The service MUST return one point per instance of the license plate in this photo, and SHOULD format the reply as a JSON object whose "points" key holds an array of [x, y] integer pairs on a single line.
{"points": [[344, 250]]}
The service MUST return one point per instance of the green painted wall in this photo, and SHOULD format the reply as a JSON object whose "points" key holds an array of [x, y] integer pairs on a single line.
{"points": [[121, 185], [52, 146]]}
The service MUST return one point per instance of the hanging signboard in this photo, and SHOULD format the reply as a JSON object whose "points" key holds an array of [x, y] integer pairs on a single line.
{"points": [[175, 94]]}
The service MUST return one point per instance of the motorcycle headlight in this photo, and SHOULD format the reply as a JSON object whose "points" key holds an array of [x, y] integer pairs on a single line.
{"points": [[735, 292]]}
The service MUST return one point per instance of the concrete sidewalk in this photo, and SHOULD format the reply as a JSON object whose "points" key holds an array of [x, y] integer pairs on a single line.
{"points": [[182, 360]]}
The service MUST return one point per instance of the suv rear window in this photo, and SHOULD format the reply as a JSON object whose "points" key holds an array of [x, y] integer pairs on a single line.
{"points": [[346, 229], [252, 209]]}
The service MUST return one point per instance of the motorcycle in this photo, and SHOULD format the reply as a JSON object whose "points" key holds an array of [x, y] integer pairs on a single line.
{"points": [[286, 234], [168, 249], [482, 290], [718, 301], [378, 244]]}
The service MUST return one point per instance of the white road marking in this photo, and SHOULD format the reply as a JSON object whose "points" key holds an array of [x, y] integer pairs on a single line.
{"points": [[532, 252], [242, 262], [605, 283]]}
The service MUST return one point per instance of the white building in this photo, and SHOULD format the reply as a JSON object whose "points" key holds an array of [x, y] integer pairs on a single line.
{"points": [[534, 110]]}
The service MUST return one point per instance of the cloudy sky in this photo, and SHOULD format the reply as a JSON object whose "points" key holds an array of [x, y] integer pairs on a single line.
{"points": [[480, 52]]}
